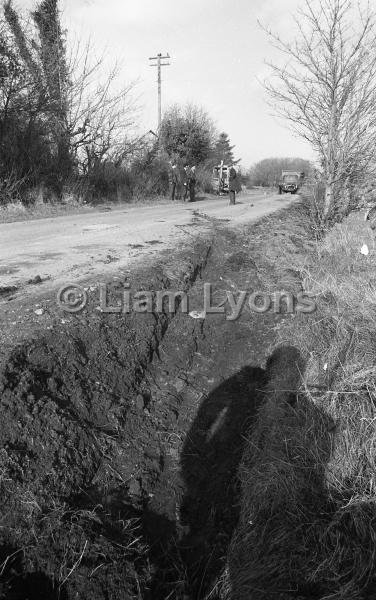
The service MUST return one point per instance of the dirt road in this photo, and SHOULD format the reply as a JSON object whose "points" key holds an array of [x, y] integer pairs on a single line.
{"points": [[84, 246]]}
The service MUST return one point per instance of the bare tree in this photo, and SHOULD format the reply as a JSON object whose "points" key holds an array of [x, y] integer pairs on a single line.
{"points": [[101, 112], [61, 106], [326, 89]]}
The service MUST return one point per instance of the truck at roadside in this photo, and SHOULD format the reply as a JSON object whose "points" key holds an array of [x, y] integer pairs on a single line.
{"points": [[290, 182]]}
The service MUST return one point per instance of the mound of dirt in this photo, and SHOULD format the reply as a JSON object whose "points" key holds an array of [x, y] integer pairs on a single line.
{"points": [[65, 399]]}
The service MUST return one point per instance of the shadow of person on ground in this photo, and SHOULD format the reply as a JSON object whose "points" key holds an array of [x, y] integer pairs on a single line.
{"points": [[285, 505], [17, 584], [192, 560], [209, 464], [188, 560]]}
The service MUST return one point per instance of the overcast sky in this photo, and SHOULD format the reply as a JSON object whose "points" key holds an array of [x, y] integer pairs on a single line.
{"points": [[217, 55]]}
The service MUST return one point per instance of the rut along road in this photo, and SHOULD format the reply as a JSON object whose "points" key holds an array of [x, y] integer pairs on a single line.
{"points": [[83, 245]]}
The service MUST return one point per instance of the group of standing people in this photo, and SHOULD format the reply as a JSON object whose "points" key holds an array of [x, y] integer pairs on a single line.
{"points": [[183, 183]]}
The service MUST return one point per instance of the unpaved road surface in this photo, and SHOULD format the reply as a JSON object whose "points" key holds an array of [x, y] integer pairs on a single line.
{"points": [[83, 246]]}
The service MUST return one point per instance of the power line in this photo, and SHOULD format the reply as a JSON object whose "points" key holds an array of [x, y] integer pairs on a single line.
{"points": [[159, 64]]}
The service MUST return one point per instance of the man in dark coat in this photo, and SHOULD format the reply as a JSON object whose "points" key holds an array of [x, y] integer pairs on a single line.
{"points": [[234, 185], [174, 181], [192, 184], [186, 172]]}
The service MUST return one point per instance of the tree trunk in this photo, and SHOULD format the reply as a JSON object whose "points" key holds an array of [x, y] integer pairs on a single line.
{"points": [[330, 161], [328, 200]]}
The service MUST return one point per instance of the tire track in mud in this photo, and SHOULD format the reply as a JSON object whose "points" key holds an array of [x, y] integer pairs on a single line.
{"points": [[203, 391]]}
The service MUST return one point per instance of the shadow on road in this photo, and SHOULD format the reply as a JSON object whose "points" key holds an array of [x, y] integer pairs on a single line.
{"points": [[15, 584], [275, 551], [190, 556], [209, 462]]}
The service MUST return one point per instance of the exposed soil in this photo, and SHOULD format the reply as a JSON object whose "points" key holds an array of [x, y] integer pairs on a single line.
{"points": [[121, 435]]}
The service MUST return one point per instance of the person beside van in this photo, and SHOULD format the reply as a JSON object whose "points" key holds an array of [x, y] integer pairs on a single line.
{"points": [[234, 185]]}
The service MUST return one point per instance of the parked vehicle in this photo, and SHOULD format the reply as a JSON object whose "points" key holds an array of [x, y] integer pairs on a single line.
{"points": [[220, 179], [290, 182]]}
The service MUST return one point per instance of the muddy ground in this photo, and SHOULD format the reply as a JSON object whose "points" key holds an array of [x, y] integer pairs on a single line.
{"points": [[121, 434]]}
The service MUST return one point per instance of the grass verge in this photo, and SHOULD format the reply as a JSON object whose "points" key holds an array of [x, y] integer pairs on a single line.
{"points": [[17, 211], [308, 496]]}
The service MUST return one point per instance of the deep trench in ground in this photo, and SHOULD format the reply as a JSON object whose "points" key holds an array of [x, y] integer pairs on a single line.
{"points": [[122, 435]]}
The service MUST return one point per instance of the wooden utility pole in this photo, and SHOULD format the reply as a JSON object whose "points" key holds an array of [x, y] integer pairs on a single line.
{"points": [[157, 62]]}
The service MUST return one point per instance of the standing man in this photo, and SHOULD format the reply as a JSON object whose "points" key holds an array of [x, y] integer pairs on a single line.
{"points": [[233, 184], [192, 184], [186, 182], [174, 181]]}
